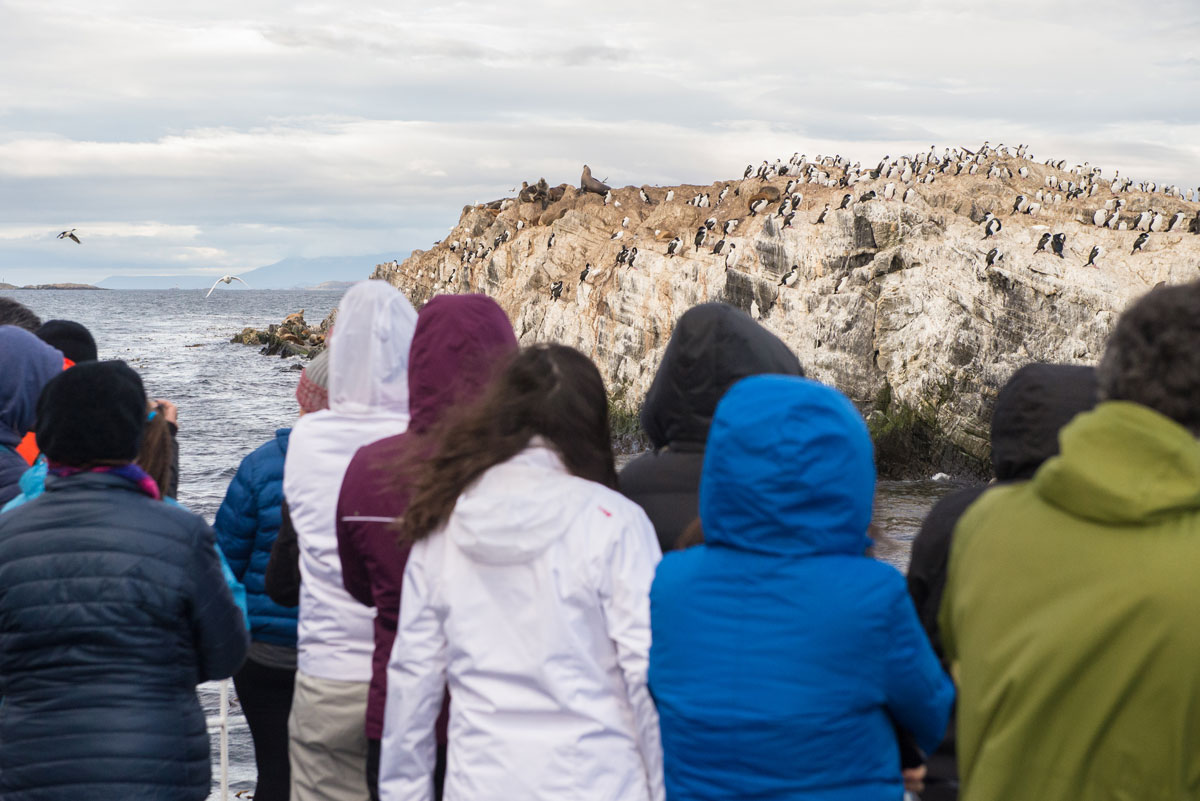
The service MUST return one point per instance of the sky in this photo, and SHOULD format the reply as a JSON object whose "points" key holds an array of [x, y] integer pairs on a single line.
{"points": [[220, 136]]}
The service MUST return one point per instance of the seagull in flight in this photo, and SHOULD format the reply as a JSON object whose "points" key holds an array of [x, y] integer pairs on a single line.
{"points": [[225, 279], [69, 235]]}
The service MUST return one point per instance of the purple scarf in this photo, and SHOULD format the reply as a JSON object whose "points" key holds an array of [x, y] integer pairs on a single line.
{"points": [[130, 472]]}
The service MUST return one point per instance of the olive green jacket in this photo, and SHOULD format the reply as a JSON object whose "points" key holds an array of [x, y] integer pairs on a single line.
{"points": [[1072, 612]]}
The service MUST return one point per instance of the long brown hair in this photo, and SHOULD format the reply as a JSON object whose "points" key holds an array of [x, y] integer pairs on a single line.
{"points": [[156, 453], [551, 391]]}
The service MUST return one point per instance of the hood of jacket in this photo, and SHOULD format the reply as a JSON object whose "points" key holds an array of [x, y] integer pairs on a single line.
{"points": [[518, 508], [368, 354], [1123, 464], [26, 365], [1030, 411], [713, 346], [789, 469], [459, 341]]}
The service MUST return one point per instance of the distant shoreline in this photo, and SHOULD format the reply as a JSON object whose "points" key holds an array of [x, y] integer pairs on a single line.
{"points": [[53, 286]]}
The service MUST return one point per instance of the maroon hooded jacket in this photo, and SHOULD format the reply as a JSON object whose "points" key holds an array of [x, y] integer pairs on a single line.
{"points": [[457, 344]]}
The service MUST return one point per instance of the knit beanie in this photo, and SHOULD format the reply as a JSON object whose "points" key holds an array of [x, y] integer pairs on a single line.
{"points": [[312, 393], [71, 338], [94, 412]]}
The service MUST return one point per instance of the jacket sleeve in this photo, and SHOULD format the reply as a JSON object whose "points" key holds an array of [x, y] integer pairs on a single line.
{"points": [[355, 577], [218, 627], [236, 523], [919, 694], [282, 579], [416, 683], [627, 573]]}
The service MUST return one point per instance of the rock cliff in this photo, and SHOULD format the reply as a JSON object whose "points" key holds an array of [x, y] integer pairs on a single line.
{"points": [[891, 299]]}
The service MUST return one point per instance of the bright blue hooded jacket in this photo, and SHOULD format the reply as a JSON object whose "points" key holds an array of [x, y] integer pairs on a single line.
{"points": [[781, 654], [246, 525]]}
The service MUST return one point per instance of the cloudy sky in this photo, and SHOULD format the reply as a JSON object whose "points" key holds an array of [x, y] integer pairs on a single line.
{"points": [[224, 135]]}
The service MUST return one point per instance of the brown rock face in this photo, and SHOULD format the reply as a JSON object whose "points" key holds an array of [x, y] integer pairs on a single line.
{"points": [[893, 302]]}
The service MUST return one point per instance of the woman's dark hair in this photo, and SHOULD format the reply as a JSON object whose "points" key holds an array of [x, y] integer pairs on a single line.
{"points": [[156, 453], [18, 314], [1153, 354], [551, 391]]}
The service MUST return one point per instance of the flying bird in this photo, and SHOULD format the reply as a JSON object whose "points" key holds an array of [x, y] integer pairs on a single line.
{"points": [[69, 235], [225, 279]]}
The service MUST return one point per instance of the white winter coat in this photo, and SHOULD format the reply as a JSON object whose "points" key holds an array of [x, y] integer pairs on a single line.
{"points": [[368, 399], [532, 604]]}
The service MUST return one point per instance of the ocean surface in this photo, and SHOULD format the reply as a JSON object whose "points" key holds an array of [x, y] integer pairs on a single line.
{"points": [[231, 400]]}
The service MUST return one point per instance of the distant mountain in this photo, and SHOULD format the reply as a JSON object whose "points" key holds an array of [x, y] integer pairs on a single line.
{"points": [[288, 273]]}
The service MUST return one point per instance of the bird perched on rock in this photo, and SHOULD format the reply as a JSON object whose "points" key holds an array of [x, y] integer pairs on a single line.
{"points": [[608, 197], [625, 222], [910, 195], [550, 241], [824, 211], [1097, 251], [867, 196], [749, 169], [701, 235], [724, 192], [889, 191], [1019, 204], [673, 246], [670, 196], [710, 223], [556, 290], [717, 248], [1139, 243], [991, 228], [758, 206], [994, 255], [69, 235], [729, 226], [632, 256], [587, 268], [617, 235], [790, 276], [787, 221], [1099, 217], [642, 194], [731, 258], [623, 255], [845, 202], [1058, 243], [1045, 240]]}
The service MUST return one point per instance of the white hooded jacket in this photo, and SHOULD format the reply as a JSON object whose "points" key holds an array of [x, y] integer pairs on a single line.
{"points": [[532, 604], [368, 400]]}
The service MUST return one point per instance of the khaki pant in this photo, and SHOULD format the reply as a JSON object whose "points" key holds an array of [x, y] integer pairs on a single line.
{"points": [[327, 744]]}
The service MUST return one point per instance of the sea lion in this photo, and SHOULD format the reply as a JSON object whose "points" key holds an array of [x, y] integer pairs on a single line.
{"points": [[589, 184], [768, 192]]}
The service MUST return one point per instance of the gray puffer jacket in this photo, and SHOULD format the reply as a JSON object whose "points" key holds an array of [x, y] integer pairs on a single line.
{"points": [[112, 609]]}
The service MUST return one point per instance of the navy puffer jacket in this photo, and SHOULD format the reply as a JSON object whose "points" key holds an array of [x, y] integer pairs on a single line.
{"points": [[247, 524], [112, 609]]}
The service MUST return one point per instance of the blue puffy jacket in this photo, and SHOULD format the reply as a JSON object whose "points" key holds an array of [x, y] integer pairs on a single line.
{"points": [[781, 654], [246, 526], [112, 610]]}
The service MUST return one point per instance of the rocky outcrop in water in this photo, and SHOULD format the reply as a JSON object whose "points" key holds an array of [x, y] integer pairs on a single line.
{"points": [[292, 337], [892, 299]]}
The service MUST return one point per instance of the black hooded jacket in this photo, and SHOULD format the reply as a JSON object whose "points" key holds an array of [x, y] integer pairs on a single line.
{"points": [[714, 346], [1036, 402]]}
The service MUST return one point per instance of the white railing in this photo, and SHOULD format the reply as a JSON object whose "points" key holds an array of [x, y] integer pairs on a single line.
{"points": [[220, 722]]}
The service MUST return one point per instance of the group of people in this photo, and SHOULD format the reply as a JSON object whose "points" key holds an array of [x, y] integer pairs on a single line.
{"points": [[450, 591]]}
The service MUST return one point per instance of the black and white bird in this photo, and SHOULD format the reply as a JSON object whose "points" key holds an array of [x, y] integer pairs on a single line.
{"points": [[845, 202], [1020, 204], [731, 258], [587, 268], [1058, 243], [608, 197], [994, 255], [749, 170], [673, 246], [1139, 243], [632, 256], [1045, 240], [670, 196], [758, 206], [717, 248], [910, 195], [787, 221], [867, 196], [723, 193], [623, 255], [642, 194], [617, 235], [1097, 251], [824, 211], [71, 235], [550, 241], [556, 290], [701, 235], [625, 222], [991, 228], [729, 226], [790, 276], [225, 279], [710, 223]]}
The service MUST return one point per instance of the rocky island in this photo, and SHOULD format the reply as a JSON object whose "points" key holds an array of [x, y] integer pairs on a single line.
{"points": [[51, 286], [916, 286]]}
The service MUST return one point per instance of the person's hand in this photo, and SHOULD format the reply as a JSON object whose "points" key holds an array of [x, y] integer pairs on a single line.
{"points": [[168, 410], [914, 779]]}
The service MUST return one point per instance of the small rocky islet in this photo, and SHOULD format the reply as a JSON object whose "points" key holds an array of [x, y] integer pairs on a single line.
{"points": [[291, 337]]}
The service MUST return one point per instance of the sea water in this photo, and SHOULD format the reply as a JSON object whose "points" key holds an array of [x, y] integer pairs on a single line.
{"points": [[231, 399]]}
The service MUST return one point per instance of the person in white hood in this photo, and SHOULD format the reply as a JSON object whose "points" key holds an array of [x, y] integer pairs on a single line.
{"points": [[527, 593], [368, 400]]}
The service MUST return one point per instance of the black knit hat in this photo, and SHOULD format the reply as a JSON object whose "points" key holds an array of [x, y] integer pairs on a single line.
{"points": [[94, 412], [71, 338]]}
